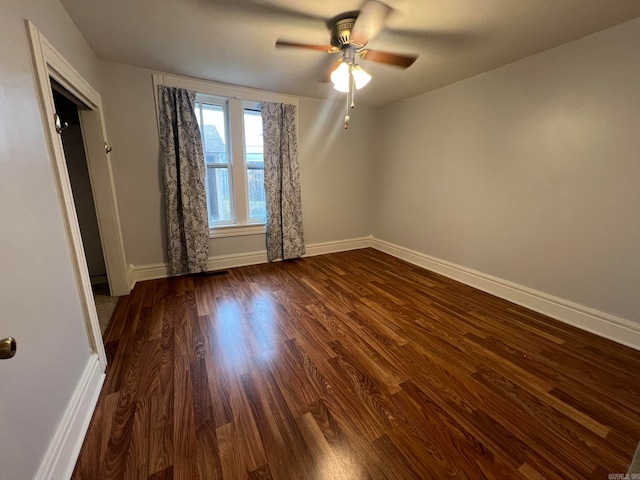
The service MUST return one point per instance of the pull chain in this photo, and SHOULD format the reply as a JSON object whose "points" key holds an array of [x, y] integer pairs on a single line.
{"points": [[352, 89], [346, 112], [351, 93]]}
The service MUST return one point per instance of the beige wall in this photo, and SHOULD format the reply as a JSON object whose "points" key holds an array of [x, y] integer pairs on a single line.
{"points": [[39, 300], [530, 172], [335, 169]]}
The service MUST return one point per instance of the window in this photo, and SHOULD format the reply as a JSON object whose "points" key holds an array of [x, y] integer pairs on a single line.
{"points": [[230, 122], [231, 132]]}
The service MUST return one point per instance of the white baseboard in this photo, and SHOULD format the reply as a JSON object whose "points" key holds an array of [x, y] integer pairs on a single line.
{"points": [[221, 262], [604, 324], [131, 277], [64, 448], [337, 246], [149, 272], [141, 273]]}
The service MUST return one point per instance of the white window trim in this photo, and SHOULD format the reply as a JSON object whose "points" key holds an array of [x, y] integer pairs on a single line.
{"points": [[236, 95], [220, 89], [239, 177], [238, 230]]}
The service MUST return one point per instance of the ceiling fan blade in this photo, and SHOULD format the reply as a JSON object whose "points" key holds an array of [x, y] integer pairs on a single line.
{"points": [[395, 59], [370, 22], [307, 46]]}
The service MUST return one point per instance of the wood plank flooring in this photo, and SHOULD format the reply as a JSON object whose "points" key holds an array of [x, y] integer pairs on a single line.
{"points": [[353, 365]]}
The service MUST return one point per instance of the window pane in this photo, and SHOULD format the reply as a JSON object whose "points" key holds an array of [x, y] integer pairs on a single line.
{"points": [[257, 207], [218, 194], [253, 135], [214, 137], [253, 149]]}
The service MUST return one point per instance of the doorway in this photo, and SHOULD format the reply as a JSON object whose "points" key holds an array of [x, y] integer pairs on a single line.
{"points": [[68, 109], [51, 65]]}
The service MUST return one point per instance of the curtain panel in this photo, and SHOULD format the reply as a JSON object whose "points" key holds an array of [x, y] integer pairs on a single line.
{"points": [[184, 182], [285, 239]]}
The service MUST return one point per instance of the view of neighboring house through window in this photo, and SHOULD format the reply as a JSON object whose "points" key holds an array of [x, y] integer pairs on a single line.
{"points": [[254, 161], [212, 120], [233, 149]]}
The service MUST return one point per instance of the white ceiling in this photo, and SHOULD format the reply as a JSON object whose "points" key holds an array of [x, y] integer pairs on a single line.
{"points": [[232, 41]]}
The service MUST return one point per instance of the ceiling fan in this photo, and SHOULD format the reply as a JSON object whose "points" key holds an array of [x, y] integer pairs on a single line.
{"points": [[350, 34]]}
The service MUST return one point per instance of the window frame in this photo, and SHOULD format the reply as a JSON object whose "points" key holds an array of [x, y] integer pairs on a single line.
{"points": [[252, 106], [236, 96], [219, 102]]}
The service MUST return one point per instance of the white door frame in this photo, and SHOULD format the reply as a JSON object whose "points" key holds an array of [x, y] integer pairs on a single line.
{"points": [[49, 63]]}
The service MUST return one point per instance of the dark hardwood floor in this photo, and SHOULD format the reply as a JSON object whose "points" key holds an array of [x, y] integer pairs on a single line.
{"points": [[353, 365]]}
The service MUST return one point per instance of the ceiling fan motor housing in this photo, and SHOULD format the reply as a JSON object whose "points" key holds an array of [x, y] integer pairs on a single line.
{"points": [[341, 32]]}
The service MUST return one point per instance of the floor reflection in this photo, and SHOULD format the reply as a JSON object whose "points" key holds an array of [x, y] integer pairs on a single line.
{"points": [[243, 336]]}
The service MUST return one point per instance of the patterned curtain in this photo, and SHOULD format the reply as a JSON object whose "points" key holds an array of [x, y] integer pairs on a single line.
{"points": [[184, 187], [282, 182]]}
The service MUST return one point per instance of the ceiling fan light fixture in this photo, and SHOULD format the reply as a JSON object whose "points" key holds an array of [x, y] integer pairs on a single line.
{"points": [[341, 78], [351, 32], [360, 77]]}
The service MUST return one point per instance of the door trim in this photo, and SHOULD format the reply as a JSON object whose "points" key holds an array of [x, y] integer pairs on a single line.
{"points": [[49, 63]]}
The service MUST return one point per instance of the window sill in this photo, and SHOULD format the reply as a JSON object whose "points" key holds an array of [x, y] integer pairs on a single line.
{"points": [[237, 230]]}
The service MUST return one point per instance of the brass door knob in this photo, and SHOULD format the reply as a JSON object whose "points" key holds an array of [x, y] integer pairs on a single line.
{"points": [[8, 348]]}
